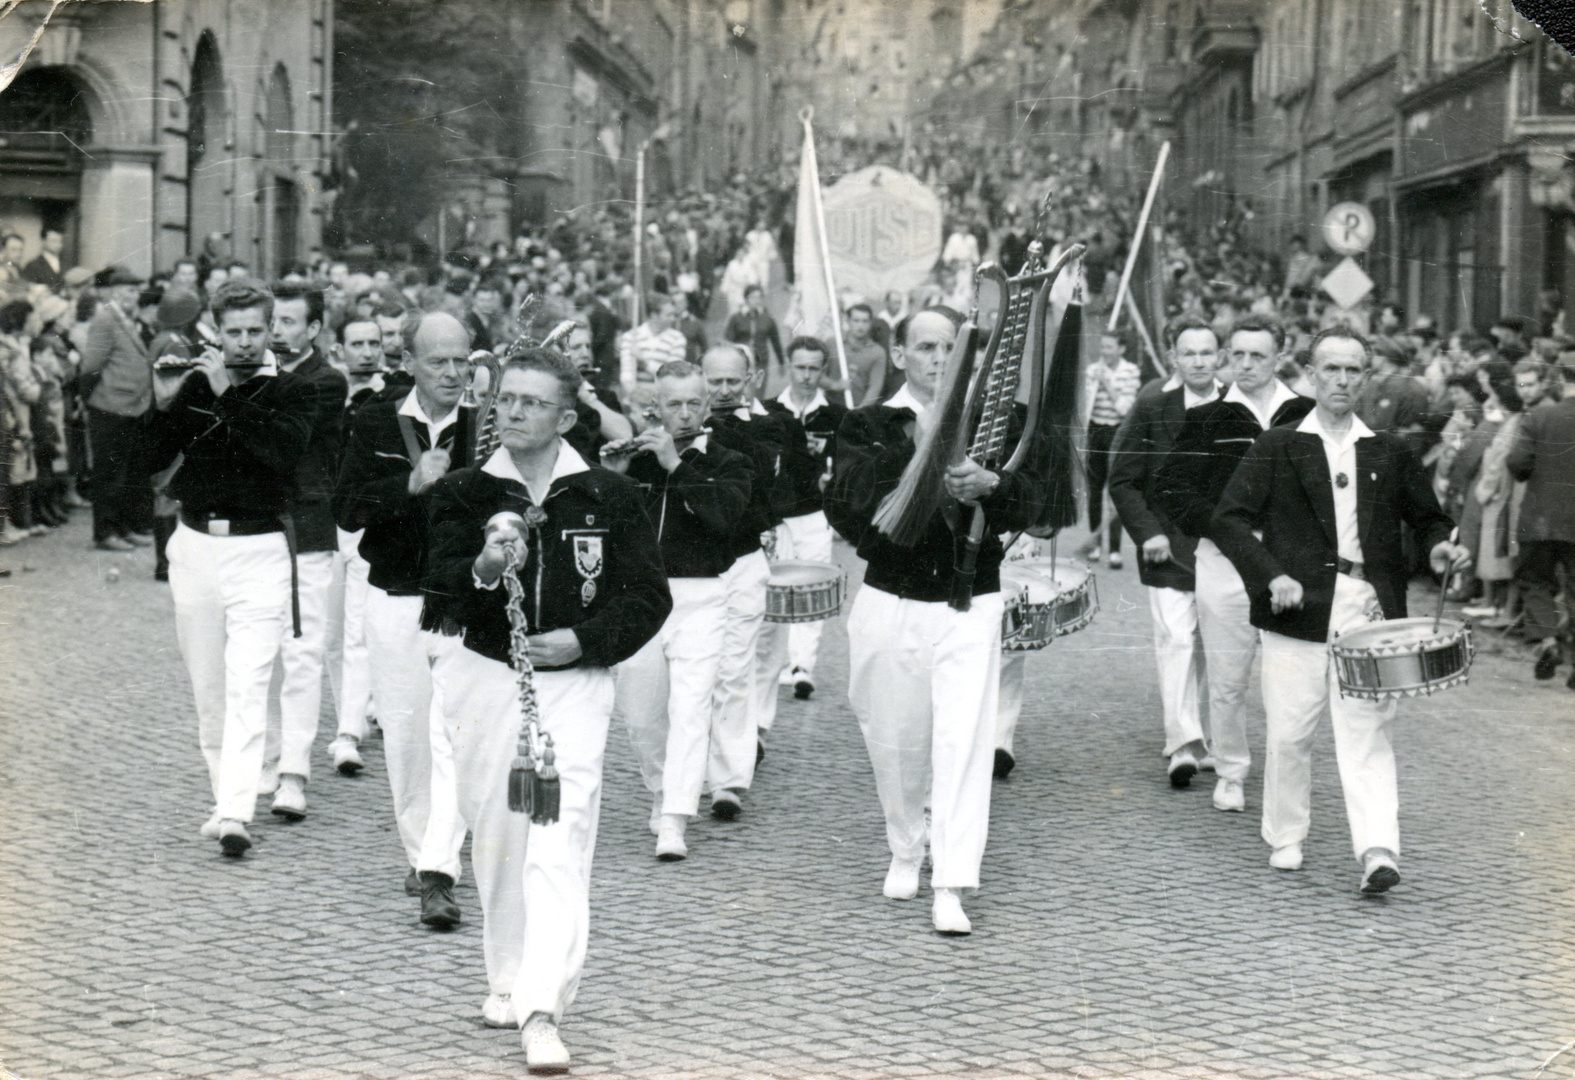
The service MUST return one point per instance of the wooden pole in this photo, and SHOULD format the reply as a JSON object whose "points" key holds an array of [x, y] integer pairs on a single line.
{"points": [[825, 256], [1137, 238], [639, 233], [1148, 342]]}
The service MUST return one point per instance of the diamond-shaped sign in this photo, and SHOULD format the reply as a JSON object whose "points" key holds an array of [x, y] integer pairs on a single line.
{"points": [[1347, 283]]}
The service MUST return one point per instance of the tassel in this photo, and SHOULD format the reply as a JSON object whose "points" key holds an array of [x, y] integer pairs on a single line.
{"points": [[520, 777], [548, 790]]}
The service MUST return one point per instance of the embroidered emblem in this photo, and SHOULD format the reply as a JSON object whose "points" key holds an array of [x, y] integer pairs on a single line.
{"points": [[535, 517], [588, 561], [590, 519]]}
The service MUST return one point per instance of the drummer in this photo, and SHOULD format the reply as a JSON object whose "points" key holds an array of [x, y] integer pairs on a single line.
{"points": [[804, 535], [694, 490], [1327, 497]]}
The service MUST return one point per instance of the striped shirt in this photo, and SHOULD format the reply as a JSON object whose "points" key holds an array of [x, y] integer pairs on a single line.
{"points": [[643, 351], [1110, 407]]}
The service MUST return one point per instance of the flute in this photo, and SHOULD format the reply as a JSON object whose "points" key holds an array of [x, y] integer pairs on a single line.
{"points": [[630, 446]]}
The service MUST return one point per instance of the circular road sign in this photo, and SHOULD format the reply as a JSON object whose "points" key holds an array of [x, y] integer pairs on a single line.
{"points": [[1348, 228]]}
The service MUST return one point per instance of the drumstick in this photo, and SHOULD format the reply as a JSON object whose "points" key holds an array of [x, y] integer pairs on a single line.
{"points": [[1443, 590]]}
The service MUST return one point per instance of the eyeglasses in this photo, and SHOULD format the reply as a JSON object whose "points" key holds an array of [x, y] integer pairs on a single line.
{"points": [[507, 403]]}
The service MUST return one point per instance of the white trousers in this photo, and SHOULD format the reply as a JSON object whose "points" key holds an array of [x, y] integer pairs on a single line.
{"points": [[923, 681], [1299, 685], [664, 694], [806, 538], [402, 695], [534, 880], [349, 672], [295, 692], [1009, 700], [445, 831], [1230, 642], [1175, 619], [734, 730], [232, 600]]}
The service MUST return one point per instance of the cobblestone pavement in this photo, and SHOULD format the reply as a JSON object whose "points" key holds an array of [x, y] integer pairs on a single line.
{"points": [[1123, 929]]}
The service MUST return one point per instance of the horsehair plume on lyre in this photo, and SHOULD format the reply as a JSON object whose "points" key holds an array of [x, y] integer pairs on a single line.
{"points": [[905, 513], [485, 439], [1059, 441]]}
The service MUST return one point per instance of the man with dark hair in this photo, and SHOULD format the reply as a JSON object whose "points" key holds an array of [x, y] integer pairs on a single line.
{"points": [[1165, 552], [46, 269], [804, 533], [754, 326], [242, 425], [1540, 456], [599, 422], [866, 359], [401, 445], [1208, 448], [580, 543], [695, 490], [923, 677], [1311, 520], [121, 398], [292, 728]]}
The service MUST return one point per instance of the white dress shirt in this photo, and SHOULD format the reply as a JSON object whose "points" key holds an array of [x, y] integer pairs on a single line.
{"points": [[1341, 452], [1279, 396], [411, 407], [816, 402], [904, 399]]}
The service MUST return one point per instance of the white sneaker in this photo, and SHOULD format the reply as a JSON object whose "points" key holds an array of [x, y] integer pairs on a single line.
{"points": [[290, 800], [902, 880], [1228, 795], [498, 1011], [269, 781], [210, 828], [670, 846], [1288, 857], [948, 913], [544, 1051], [346, 751]]}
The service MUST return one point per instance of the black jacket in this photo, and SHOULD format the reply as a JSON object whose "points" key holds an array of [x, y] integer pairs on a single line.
{"points": [[1282, 487], [769, 445], [872, 452], [1211, 444], [694, 507], [596, 531], [1142, 444], [373, 492], [319, 466], [805, 469], [242, 449]]}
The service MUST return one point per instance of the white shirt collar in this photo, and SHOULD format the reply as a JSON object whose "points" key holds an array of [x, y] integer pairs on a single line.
{"points": [[1280, 396], [1311, 424], [816, 402], [1191, 400], [501, 464], [904, 399], [411, 407]]}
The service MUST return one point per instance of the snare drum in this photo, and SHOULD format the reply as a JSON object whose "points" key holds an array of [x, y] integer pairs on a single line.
{"points": [[804, 592], [1402, 658], [1030, 613], [1077, 596]]}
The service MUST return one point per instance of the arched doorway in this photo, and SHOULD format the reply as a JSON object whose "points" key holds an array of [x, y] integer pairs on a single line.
{"points": [[45, 123], [207, 162]]}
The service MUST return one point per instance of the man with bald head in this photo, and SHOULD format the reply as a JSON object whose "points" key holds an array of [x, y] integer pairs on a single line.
{"points": [[400, 447]]}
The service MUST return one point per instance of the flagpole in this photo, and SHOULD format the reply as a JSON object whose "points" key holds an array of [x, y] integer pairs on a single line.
{"points": [[639, 231], [807, 115], [1137, 237]]}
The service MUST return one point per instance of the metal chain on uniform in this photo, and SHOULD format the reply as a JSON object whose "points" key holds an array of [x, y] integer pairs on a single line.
{"points": [[534, 787]]}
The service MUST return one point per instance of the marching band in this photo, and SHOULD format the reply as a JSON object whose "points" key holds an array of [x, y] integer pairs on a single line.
{"points": [[504, 567]]}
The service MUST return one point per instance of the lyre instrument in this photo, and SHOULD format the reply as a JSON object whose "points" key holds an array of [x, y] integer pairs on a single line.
{"points": [[484, 438], [977, 399]]}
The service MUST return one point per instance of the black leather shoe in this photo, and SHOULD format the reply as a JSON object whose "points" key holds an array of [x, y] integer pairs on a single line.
{"points": [[438, 909], [1547, 663], [725, 805], [1004, 763], [760, 751], [412, 884]]}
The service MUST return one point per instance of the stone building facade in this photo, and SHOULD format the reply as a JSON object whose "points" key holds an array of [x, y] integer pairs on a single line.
{"points": [[147, 131]]}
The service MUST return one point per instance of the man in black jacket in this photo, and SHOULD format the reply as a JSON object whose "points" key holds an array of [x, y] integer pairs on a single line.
{"points": [[1192, 480], [1165, 554], [804, 534], [594, 594], [923, 677], [242, 426], [400, 446], [1311, 520], [694, 491], [292, 723]]}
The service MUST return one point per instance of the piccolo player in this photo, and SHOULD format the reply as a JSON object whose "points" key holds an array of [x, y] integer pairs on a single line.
{"points": [[922, 675], [595, 593], [1327, 497], [242, 425], [694, 492]]}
